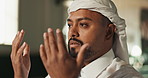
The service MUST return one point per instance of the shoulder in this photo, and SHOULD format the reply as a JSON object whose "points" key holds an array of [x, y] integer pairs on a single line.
{"points": [[126, 71]]}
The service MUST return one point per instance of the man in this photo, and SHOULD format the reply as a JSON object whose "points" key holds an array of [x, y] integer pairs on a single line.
{"points": [[97, 45]]}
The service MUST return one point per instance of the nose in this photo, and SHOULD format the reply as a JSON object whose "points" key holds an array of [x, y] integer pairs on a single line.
{"points": [[73, 32]]}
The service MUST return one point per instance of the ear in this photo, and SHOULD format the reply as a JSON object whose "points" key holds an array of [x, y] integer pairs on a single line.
{"points": [[110, 30]]}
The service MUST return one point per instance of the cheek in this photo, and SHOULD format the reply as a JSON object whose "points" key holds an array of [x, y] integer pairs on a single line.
{"points": [[68, 35], [91, 35], [88, 38], [95, 40], [98, 43]]}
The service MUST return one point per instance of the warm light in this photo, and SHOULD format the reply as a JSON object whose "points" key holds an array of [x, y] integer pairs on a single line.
{"points": [[136, 51], [8, 20], [65, 32], [68, 3]]}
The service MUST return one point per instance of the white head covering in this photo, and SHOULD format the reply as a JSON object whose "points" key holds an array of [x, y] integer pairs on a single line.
{"points": [[108, 9]]}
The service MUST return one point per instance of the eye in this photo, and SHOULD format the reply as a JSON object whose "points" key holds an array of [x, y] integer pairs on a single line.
{"points": [[69, 25], [83, 24]]}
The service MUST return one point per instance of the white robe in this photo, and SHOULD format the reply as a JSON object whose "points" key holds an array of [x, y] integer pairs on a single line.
{"points": [[107, 66]]}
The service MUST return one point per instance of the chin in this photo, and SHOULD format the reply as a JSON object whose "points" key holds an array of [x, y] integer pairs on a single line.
{"points": [[74, 52]]}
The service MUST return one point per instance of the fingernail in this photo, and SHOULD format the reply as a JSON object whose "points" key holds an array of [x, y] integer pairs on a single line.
{"points": [[24, 43], [44, 35], [25, 52], [49, 30], [21, 33], [88, 47], [58, 31], [22, 30], [41, 45]]}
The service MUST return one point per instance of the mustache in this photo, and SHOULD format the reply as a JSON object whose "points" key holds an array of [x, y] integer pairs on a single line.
{"points": [[72, 50], [74, 39]]}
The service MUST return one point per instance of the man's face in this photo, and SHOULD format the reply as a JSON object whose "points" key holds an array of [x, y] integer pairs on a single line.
{"points": [[86, 27]]}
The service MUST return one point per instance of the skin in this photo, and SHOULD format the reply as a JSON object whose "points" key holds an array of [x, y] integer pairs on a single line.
{"points": [[86, 26], [55, 57], [20, 57], [91, 28]]}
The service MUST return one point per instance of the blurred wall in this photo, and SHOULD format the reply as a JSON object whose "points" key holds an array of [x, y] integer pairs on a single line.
{"points": [[35, 16], [130, 10]]}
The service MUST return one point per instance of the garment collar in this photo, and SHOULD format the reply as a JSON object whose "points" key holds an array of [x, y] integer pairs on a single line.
{"points": [[93, 69]]}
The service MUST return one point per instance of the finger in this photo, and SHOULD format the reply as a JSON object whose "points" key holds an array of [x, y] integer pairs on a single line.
{"points": [[13, 50], [61, 42], [81, 54], [17, 41], [46, 44], [16, 37], [26, 54], [26, 51], [43, 54], [26, 57], [52, 41], [21, 49]]}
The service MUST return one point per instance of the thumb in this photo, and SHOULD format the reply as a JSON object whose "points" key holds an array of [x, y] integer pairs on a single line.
{"points": [[81, 54]]}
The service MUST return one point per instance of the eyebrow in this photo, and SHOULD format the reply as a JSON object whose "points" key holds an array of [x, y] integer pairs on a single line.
{"points": [[80, 19]]}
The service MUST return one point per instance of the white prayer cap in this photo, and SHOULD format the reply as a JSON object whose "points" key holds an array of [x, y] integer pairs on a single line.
{"points": [[108, 9]]}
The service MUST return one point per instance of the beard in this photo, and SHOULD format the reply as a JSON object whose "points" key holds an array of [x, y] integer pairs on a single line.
{"points": [[72, 51]]}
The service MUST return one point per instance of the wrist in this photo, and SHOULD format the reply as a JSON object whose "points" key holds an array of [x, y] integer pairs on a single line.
{"points": [[20, 76]]}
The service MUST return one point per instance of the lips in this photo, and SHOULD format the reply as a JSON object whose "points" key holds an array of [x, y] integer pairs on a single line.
{"points": [[74, 44]]}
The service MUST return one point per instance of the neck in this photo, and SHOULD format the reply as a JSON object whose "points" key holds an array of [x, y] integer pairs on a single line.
{"points": [[95, 55]]}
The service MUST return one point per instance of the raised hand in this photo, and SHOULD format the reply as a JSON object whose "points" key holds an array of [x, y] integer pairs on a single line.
{"points": [[57, 61], [20, 57]]}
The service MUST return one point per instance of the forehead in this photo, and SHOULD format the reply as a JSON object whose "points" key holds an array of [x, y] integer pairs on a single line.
{"points": [[85, 13]]}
